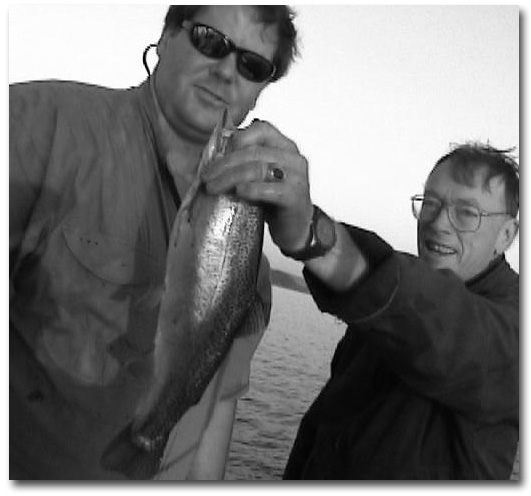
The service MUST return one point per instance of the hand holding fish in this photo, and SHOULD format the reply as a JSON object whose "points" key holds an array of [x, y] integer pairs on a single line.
{"points": [[264, 166]]}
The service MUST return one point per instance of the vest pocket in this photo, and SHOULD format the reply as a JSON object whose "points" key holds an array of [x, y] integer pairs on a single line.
{"points": [[102, 305], [109, 258]]}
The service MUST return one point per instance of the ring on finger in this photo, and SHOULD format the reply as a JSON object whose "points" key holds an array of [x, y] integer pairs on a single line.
{"points": [[274, 174]]}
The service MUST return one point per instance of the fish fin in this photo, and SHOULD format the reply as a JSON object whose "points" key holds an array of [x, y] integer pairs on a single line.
{"points": [[124, 456], [254, 320]]}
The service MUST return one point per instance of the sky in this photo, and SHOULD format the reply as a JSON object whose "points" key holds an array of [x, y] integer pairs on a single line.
{"points": [[377, 95]]}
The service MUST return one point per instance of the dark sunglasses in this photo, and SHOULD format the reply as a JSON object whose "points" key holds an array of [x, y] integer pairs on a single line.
{"points": [[215, 45]]}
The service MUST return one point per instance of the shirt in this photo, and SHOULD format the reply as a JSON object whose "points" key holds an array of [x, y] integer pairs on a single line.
{"points": [[424, 384], [91, 209]]}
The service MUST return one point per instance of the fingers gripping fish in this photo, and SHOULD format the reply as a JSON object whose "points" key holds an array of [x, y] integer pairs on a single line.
{"points": [[211, 270]]}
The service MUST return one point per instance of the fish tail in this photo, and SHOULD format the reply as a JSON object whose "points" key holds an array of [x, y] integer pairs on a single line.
{"points": [[129, 457]]}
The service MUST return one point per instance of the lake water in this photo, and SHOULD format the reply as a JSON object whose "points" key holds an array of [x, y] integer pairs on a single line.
{"points": [[289, 369]]}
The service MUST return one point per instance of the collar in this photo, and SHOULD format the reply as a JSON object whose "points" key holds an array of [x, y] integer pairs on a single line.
{"points": [[488, 271]]}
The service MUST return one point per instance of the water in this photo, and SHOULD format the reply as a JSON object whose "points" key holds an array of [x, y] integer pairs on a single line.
{"points": [[290, 367]]}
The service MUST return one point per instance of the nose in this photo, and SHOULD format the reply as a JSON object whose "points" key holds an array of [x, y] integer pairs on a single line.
{"points": [[226, 68], [442, 221]]}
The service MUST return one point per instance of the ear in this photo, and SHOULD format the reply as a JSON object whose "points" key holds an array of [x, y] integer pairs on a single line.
{"points": [[163, 41], [506, 236]]}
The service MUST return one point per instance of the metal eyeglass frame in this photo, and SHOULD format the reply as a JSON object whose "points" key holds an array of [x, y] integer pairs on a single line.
{"points": [[451, 217]]}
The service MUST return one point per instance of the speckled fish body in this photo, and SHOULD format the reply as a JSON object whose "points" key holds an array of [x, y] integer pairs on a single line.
{"points": [[212, 265]]}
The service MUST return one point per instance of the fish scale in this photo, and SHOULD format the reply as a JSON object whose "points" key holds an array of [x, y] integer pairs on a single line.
{"points": [[210, 286]]}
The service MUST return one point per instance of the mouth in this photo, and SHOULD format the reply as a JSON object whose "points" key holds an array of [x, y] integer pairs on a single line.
{"points": [[212, 97], [438, 249]]}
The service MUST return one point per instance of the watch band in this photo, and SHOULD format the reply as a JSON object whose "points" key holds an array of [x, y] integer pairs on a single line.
{"points": [[321, 239]]}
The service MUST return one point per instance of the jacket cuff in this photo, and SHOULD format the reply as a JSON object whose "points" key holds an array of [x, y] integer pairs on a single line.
{"points": [[372, 293]]}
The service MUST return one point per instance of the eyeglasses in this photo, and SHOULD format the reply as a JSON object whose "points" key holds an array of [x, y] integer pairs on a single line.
{"points": [[215, 45], [464, 218]]}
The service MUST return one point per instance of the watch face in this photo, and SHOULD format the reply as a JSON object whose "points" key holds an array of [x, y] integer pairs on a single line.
{"points": [[325, 231]]}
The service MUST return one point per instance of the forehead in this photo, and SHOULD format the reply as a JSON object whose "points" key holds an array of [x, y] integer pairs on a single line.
{"points": [[242, 24], [444, 181]]}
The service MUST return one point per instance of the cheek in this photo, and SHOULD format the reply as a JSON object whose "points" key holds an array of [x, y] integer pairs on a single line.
{"points": [[477, 252], [469, 247], [170, 84], [174, 65], [420, 233], [163, 76], [245, 102]]}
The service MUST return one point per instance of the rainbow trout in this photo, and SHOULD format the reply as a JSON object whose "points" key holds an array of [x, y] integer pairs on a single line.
{"points": [[210, 286]]}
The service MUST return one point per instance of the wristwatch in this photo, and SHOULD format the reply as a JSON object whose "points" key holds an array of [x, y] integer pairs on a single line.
{"points": [[321, 240]]}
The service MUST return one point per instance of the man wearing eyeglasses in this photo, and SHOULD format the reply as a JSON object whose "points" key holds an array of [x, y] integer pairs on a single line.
{"points": [[96, 179], [425, 382]]}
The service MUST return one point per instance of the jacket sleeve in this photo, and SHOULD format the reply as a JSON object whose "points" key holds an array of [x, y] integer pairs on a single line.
{"points": [[452, 342], [30, 130]]}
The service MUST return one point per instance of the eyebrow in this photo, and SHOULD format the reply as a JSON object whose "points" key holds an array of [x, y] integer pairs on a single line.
{"points": [[467, 201]]}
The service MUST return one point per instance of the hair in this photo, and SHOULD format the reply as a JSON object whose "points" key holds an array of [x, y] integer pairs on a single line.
{"points": [[468, 158], [280, 15]]}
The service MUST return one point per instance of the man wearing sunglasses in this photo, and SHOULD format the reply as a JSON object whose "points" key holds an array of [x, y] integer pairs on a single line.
{"points": [[96, 178], [425, 382]]}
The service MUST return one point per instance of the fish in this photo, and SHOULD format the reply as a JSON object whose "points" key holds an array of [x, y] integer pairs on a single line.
{"points": [[212, 264]]}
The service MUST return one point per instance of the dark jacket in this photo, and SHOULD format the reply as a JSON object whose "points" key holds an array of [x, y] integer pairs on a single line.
{"points": [[424, 384]]}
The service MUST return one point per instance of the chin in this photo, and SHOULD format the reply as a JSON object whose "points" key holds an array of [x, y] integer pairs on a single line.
{"points": [[441, 266], [437, 263]]}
